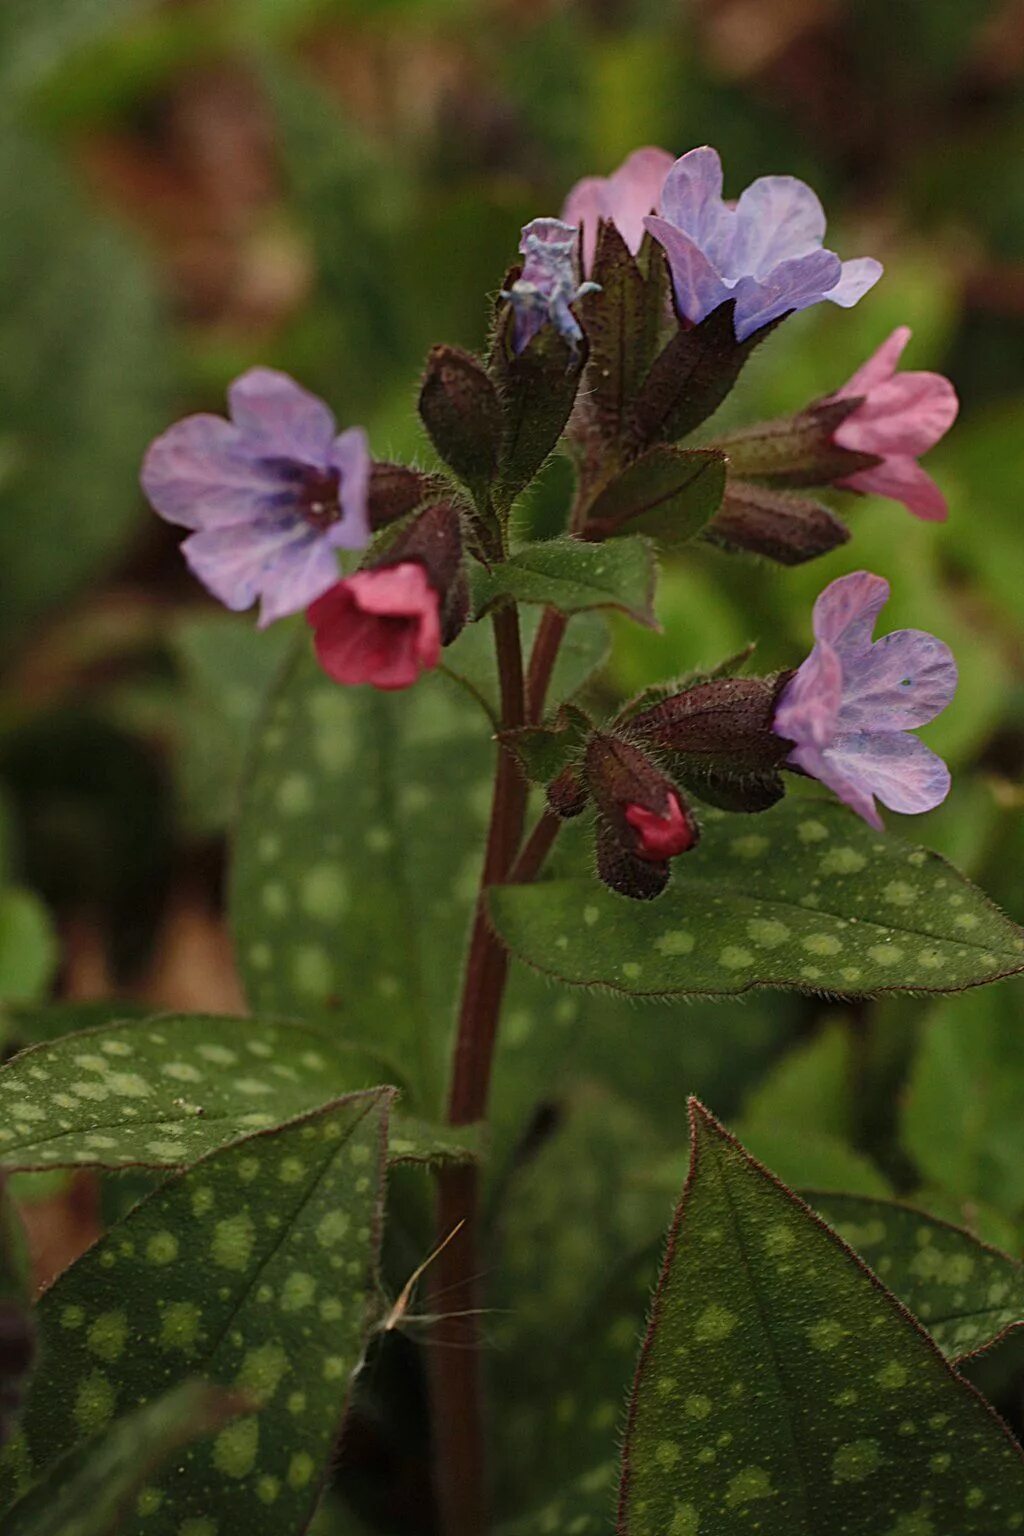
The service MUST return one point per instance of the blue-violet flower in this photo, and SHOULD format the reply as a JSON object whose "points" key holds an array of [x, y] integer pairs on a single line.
{"points": [[548, 284], [850, 707], [765, 251], [270, 494]]}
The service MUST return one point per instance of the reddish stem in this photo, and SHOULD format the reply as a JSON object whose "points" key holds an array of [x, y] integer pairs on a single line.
{"points": [[550, 632]]}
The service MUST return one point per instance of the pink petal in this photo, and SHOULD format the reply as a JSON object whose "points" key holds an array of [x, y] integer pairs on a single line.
{"points": [[846, 612], [290, 422], [777, 218], [880, 366], [793, 284], [901, 479], [699, 288], [624, 197], [586, 203], [202, 473], [808, 706], [906, 414], [857, 277], [906, 775], [904, 680]]}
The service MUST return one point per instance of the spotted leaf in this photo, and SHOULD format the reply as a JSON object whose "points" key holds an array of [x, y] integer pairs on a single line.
{"points": [[93, 1490], [782, 1390], [966, 1293], [255, 1269], [160, 1093], [573, 576], [802, 896]]}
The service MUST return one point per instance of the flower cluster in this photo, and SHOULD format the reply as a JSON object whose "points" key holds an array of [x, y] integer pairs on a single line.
{"points": [[274, 496]]}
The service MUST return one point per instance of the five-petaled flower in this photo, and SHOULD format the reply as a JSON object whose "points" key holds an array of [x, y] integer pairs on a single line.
{"points": [[270, 494], [901, 416], [849, 709], [766, 252], [625, 198], [548, 284], [381, 626]]}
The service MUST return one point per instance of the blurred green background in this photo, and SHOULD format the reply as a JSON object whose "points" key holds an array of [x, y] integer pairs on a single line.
{"points": [[332, 185]]}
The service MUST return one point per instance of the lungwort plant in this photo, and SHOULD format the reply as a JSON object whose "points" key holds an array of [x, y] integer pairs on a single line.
{"points": [[439, 788]]}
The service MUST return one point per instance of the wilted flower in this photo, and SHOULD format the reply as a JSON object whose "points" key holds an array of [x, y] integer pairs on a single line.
{"points": [[271, 494], [901, 417], [765, 251], [851, 705], [379, 626], [548, 284], [624, 197]]}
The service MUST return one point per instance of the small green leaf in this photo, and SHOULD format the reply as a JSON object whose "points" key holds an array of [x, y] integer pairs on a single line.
{"points": [[92, 1491], [803, 896], [668, 493], [163, 1092], [256, 1269], [544, 751], [965, 1293], [28, 947], [572, 576], [622, 323], [810, 1088], [537, 389], [826, 1407]]}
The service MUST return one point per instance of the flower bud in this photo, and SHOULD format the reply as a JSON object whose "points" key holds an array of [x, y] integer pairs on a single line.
{"points": [[395, 490], [567, 794], [798, 450], [462, 413], [776, 524], [643, 820]]}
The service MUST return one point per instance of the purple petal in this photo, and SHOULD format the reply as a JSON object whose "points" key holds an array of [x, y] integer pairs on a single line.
{"points": [[350, 456], [906, 775], [823, 767], [206, 473], [287, 419], [794, 284], [857, 277], [778, 218], [808, 706], [699, 287], [691, 199], [303, 574], [905, 679], [846, 612], [271, 554]]}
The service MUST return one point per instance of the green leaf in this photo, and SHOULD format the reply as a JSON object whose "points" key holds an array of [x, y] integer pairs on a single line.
{"points": [[163, 1092], [809, 1158], [256, 1269], [17, 1332], [28, 947], [572, 577], [810, 1088], [537, 388], [804, 896], [965, 1293], [584, 650], [622, 323], [668, 493], [543, 751], [83, 383], [584, 1508], [782, 1389], [962, 1122], [356, 863], [92, 1491]]}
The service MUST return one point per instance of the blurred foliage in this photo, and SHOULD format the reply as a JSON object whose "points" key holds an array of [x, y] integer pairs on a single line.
{"points": [[330, 186]]}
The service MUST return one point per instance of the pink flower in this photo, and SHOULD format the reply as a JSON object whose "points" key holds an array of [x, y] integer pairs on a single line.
{"points": [[661, 837], [902, 416], [850, 708], [380, 626], [624, 197]]}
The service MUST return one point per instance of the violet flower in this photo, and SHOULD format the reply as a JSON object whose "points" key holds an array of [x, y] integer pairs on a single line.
{"points": [[381, 626], [624, 198], [548, 284], [851, 705], [901, 417], [270, 494], [765, 251]]}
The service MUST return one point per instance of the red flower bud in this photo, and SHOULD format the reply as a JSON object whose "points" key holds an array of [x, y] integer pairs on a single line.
{"points": [[379, 626], [661, 837]]}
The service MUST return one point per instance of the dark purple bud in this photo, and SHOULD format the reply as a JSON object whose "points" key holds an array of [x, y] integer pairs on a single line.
{"points": [[434, 540], [642, 817], [775, 524], [462, 413], [725, 722], [798, 450], [622, 871], [395, 491], [567, 794]]}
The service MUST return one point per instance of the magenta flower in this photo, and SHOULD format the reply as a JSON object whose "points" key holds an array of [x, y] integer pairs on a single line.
{"points": [[661, 837], [624, 197], [548, 284], [765, 251], [381, 626], [901, 417], [851, 705], [270, 494]]}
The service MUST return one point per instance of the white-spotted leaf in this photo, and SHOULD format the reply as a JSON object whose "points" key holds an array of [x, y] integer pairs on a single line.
{"points": [[255, 1269], [783, 1391], [804, 895]]}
